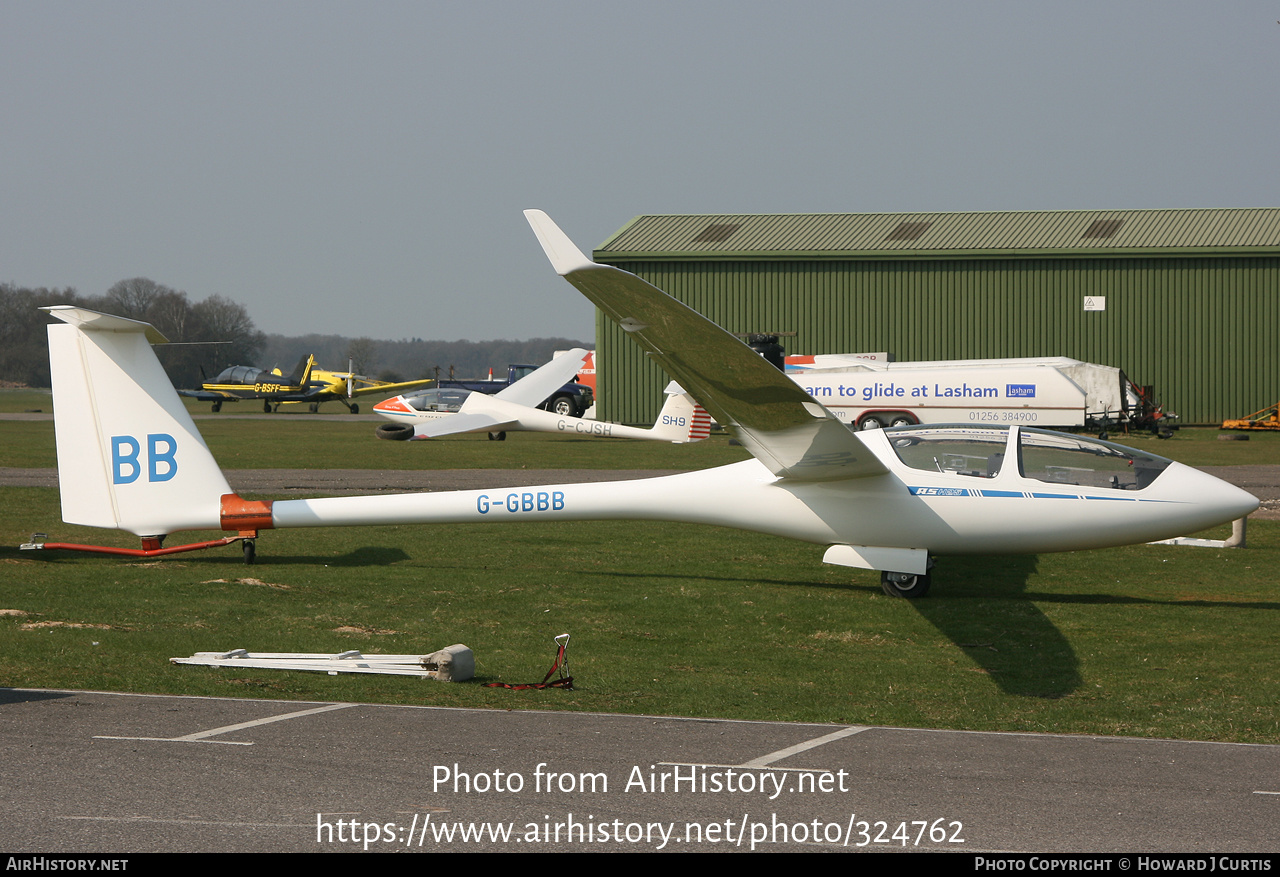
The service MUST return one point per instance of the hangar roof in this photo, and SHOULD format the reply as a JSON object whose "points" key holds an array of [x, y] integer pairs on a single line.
{"points": [[1049, 233]]}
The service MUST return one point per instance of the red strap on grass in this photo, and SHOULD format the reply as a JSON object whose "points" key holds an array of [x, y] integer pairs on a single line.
{"points": [[561, 664]]}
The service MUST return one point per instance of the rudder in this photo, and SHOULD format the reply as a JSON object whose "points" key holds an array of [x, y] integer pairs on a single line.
{"points": [[129, 455], [681, 419]]}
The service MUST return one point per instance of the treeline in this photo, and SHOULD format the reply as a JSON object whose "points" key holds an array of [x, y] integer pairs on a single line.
{"points": [[410, 359], [192, 326], [212, 334]]}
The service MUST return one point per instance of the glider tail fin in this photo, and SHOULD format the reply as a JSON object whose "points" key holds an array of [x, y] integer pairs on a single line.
{"points": [[129, 454], [681, 419]]}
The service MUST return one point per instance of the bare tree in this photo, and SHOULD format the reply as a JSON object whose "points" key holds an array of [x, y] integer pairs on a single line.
{"points": [[360, 353], [24, 354], [134, 298], [224, 320]]}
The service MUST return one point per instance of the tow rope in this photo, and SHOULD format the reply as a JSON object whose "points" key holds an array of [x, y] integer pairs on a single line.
{"points": [[561, 664]]}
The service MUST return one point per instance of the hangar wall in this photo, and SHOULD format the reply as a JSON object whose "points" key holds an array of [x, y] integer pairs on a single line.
{"points": [[1200, 328]]}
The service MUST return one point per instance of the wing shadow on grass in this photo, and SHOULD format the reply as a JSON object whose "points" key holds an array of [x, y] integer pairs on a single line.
{"points": [[981, 605]]}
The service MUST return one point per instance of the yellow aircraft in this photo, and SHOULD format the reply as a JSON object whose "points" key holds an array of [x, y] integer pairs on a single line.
{"points": [[307, 384]]}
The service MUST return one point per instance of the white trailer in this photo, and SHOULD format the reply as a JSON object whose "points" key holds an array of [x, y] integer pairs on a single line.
{"points": [[1050, 391]]}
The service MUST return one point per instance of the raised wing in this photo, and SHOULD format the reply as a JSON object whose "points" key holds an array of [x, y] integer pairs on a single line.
{"points": [[534, 388], [785, 429]]}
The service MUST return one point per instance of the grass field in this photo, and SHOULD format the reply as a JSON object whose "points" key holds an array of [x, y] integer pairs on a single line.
{"points": [[665, 619]]}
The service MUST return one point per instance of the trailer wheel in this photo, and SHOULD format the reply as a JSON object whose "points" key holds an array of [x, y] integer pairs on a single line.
{"points": [[902, 584], [903, 420], [870, 421]]}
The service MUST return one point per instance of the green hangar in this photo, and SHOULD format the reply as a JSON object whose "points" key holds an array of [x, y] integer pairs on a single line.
{"points": [[1185, 300]]}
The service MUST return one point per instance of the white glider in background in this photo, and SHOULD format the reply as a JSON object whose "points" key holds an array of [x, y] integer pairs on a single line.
{"points": [[445, 411], [130, 458]]}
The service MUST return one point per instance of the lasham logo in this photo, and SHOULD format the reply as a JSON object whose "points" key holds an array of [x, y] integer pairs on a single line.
{"points": [[1020, 391]]}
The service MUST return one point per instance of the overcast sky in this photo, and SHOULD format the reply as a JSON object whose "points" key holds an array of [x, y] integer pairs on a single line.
{"points": [[360, 168]]}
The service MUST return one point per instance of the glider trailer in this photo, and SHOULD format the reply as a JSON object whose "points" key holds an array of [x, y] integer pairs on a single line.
{"points": [[130, 458], [1051, 392]]}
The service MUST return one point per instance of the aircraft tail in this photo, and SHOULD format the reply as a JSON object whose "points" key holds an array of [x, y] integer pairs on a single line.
{"points": [[681, 419], [302, 372], [129, 455]]}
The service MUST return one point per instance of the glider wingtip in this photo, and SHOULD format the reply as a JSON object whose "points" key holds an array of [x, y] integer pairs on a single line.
{"points": [[563, 253]]}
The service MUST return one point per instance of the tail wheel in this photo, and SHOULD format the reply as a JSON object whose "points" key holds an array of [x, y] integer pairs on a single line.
{"points": [[250, 551]]}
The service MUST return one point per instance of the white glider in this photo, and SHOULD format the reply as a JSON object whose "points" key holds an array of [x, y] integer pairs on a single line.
{"points": [[130, 458], [444, 411]]}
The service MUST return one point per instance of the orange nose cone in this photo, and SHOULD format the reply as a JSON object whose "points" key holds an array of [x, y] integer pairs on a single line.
{"points": [[396, 405]]}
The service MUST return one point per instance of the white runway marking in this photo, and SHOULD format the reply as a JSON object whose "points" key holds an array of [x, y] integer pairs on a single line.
{"points": [[202, 736], [804, 747], [766, 760]]}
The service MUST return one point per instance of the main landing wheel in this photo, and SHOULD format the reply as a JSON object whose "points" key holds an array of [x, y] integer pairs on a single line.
{"points": [[903, 584], [497, 436]]}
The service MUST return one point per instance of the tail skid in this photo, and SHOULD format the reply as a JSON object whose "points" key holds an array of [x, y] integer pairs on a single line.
{"points": [[151, 547]]}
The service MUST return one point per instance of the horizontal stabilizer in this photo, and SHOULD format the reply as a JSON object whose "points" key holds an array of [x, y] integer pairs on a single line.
{"points": [[82, 318]]}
